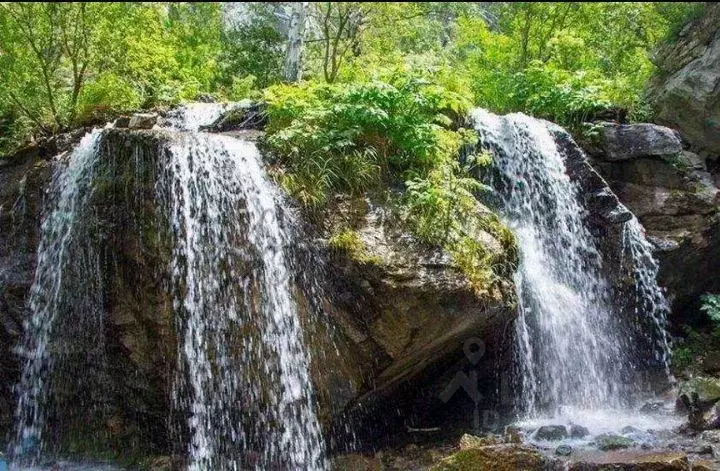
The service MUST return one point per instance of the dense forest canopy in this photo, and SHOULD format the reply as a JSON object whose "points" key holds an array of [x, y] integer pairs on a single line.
{"points": [[66, 64]]}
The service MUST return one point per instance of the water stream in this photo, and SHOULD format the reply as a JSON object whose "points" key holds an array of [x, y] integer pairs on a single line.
{"points": [[234, 287], [61, 336]]}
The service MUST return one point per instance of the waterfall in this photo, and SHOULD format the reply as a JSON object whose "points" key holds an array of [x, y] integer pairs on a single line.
{"points": [[192, 116], [62, 335], [231, 278], [242, 387], [573, 346]]}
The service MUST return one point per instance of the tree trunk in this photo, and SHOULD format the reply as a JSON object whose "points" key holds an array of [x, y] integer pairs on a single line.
{"points": [[293, 58]]}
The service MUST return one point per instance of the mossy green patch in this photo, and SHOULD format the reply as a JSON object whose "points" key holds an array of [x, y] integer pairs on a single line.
{"points": [[350, 243]]}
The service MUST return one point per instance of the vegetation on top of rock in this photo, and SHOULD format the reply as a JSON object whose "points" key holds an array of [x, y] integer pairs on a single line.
{"points": [[711, 306], [504, 457], [352, 137], [403, 133]]}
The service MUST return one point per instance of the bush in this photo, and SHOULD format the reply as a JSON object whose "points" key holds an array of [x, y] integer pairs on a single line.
{"points": [[242, 88], [350, 137], [711, 306], [349, 242]]}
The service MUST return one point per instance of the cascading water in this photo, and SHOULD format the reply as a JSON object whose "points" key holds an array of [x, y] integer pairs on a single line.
{"points": [[66, 323], [243, 385], [231, 279], [192, 116], [573, 346]]}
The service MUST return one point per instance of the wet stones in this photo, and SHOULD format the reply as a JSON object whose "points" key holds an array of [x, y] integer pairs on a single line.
{"points": [[563, 450], [610, 441], [551, 433], [578, 431], [142, 121], [506, 457]]}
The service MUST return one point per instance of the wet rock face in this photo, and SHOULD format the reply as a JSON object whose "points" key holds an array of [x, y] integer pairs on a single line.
{"points": [[686, 94], [140, 331], [22, 184], [411, 322], [674, 197], [24, 177]]}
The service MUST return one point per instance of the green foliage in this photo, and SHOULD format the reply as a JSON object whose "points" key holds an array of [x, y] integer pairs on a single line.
{"points": [[254, 49], [561, 61], [350, 137], [443, 210], [243, 88], [106, 96]]}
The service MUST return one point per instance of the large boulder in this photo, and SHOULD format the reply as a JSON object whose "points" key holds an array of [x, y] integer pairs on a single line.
{"points": [[411, 320], [505, 457], [397, 323], [628, 141], [686, 93]]}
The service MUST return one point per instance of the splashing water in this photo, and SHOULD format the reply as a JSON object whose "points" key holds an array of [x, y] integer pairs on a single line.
{"points": [[649, 298], [573, 347], [66, 281], [230, 263], [192, 116], [243, 382]]}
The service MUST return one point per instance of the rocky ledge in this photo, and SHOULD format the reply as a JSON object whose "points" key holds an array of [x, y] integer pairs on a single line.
{"points": [[508, 453], [675, 197]]}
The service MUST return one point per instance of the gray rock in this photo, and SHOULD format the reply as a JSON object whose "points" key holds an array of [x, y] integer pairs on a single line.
{"points": [[706, 388], [578, 431], [143, 121], [686, 95], [630, 141], [711, 436], [628, 430], [677, 203], [610, 441], [563, 450], [650, 407], [122, 122], [551, 433]]}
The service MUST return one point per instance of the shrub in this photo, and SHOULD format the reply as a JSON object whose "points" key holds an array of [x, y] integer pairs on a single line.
{"points": [[711, 306], [350, 137], [349, 242], [242, 88]]}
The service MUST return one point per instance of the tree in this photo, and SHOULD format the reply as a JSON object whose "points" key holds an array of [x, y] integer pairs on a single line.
{"points": [[296, 30], [341, 24]]}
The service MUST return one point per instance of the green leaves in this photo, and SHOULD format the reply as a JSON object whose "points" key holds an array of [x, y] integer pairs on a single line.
{"points": [[360, 134]]}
